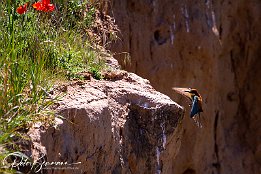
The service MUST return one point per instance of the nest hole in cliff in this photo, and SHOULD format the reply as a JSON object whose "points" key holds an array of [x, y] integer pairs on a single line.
{"points": [[159, 38], [189, 171]]}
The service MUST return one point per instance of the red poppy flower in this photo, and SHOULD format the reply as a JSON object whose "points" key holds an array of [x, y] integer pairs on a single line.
{"points": [[44, 5], [22, 9]]}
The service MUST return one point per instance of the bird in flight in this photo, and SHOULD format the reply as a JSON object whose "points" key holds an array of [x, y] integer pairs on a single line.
{"points": [[196, 105]]}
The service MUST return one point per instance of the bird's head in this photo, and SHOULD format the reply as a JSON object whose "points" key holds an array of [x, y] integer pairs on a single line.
{"points": [[192, 93], [194, 96]]}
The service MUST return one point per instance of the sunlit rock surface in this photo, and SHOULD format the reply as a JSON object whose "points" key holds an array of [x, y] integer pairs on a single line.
{"points": [[121, 125], [213, 46]]}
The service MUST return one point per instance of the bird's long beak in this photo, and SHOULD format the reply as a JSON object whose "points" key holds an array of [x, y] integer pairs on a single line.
{"points": [[183, 91]]}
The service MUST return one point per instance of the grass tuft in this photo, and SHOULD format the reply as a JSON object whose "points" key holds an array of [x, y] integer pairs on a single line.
{"points": [[37, 47]]}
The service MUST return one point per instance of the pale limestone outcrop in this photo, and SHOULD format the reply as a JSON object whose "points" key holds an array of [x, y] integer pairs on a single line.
{"points": [[111, 126]]}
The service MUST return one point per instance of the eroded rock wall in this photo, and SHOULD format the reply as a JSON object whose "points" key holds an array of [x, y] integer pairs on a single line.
{"points": [[213, 46], [121, 125]]}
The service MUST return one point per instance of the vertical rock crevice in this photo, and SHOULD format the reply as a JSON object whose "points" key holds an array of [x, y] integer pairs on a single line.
{"points": [[217, 163]]}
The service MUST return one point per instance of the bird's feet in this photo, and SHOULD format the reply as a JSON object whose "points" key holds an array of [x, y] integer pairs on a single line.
{"points": [[197, 121]]}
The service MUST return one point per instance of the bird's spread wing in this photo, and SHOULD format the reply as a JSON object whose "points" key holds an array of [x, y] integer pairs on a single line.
{"points": [[184, 92], [195, 108]]}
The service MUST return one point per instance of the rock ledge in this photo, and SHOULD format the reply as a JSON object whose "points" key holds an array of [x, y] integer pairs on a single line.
{"points": [[122, 125]]}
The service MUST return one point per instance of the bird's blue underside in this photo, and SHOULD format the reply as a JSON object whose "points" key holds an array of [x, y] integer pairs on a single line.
{"points": [[195, 109]]}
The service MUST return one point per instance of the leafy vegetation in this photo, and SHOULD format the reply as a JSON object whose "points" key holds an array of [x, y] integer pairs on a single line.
{"points": [[39, 44]]}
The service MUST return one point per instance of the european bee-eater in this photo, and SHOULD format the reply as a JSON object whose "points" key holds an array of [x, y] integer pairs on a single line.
{"points": [[194, 97]]}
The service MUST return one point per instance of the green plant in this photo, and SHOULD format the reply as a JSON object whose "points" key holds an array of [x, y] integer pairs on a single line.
{"points": [[74, 14], [96, 73], [35, 48]]}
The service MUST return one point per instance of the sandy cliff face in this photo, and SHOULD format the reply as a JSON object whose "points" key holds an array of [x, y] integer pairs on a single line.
{"points": [[213, 46]]}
